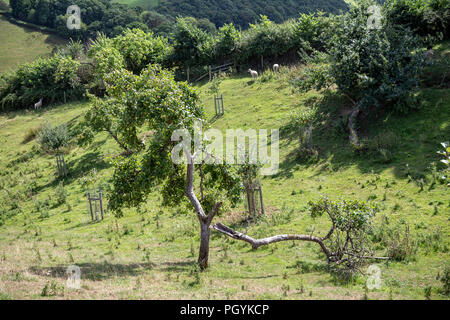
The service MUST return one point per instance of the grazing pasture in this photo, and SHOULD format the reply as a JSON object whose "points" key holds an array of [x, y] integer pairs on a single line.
{"points": [[20, 44], [151, 252]]}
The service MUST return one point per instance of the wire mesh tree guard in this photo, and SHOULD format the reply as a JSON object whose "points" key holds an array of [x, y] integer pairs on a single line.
{"points": [[255, 202], [61, 165], [95, 203], [306, 138], [218, 105]]}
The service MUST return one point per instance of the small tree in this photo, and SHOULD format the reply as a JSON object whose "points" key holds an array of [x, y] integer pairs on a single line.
{"points": [[249, 176], [303, 121], [154, 101], [374, 68], [214, 86], [53, 139]]}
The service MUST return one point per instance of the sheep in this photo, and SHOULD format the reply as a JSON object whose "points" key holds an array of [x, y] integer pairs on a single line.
{"points": [[276, 67], [38, 105], [429, 54], [254, 74]]}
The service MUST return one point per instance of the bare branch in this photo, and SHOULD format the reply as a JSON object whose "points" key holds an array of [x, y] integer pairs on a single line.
{"points": [[256, 243]]}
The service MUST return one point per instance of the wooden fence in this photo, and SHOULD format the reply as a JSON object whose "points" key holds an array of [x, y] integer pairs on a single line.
{"points": [[213, 70]]}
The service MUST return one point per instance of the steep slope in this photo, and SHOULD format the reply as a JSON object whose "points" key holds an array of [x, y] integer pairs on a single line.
{"points": [[150, 252], [20, 44]]}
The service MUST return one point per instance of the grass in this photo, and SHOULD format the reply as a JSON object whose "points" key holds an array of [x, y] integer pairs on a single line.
{"points": [[20, 44], [147, 254]]}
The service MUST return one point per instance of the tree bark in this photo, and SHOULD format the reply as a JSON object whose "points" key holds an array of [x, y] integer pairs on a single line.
{"points": [[205, 220], [256, 243], [203, 255], [354, 140]]}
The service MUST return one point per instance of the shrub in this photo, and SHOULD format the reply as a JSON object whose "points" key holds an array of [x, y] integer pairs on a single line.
{"points": [[303, 122], [53, 79], [140, 49], [60, 194], [445, 279], [52, 139], [401, 246], [429, 19], [373, 67]]}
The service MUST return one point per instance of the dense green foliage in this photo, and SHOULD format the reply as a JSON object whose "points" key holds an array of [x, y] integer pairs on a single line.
{"points": [[53, 79], [372, 67], [151, 101], [52, 139], [241, 13], [427, 18], [112, 18], [96, 16]]}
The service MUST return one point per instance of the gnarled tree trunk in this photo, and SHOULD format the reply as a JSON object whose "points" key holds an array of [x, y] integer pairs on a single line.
{"points": [[205, 220], [203, 255], [354, 140]]}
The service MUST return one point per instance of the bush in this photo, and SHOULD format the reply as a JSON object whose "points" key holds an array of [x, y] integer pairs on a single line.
{"points": [[52, 139], [375, 68], [429, 19], [401, 246], [140, 49], [60, 194], [445, 279], [53, 79]]}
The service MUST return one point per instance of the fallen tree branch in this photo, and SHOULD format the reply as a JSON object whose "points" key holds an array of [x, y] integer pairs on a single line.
{"points": [[256, 243]]}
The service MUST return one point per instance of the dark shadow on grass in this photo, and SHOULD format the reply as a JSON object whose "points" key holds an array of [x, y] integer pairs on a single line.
{"points": [[77, 168], [95, 271], [106, 270]]}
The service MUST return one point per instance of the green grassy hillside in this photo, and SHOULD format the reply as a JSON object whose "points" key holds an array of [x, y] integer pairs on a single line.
{"points": [[21, 44], [151, 252]]}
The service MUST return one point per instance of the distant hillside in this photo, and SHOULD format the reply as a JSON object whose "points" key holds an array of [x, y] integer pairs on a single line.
{"points": [[243, 12], [146, 4], [20, 44]]}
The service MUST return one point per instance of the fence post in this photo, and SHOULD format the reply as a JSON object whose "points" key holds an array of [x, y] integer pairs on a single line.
{"points": [[90, 206], [210, 74], [96, 210], [215, 104], [188, 72], [261, 197], [101, 202]]}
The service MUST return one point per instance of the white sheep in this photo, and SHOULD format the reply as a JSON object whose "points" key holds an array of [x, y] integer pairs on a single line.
{"points": [[276, 67], [254, 74], [429, 54], [38, 105]]}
